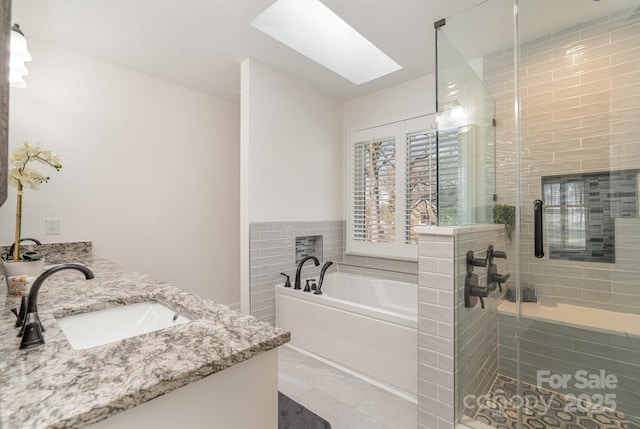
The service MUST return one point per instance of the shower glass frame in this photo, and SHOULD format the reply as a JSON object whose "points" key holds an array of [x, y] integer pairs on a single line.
{"points": [[532, 42]]}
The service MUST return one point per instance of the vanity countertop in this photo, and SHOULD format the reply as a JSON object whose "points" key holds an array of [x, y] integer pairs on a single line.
{"points": [[55, 386]]}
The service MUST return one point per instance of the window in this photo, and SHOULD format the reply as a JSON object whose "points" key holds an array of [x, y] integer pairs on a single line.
{"points": [[566, 212], [581, 212], [392, 180]]}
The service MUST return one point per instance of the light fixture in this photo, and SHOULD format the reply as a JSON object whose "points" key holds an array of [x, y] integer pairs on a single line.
{"points": [[312, 29], [19, 55], [457, 112]]}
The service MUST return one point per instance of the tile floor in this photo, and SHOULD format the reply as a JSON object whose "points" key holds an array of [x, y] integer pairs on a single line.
{"points": [[498, 410], [340, 398]]}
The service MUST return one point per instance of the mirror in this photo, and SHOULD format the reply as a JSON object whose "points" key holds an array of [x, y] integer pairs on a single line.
{"points": [[5, 14]]}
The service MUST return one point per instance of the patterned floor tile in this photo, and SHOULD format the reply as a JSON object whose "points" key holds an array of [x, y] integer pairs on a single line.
{"points": [[544, 409]]}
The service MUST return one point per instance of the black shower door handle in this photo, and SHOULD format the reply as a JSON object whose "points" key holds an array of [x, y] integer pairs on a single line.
{"points": [[537, 229]]}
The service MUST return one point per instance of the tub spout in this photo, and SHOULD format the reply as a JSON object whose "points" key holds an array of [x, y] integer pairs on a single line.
{"points": [[299, 269], [322, 272]]}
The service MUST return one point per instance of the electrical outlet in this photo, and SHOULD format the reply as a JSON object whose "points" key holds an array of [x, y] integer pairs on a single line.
{"points": [[52, 225]]}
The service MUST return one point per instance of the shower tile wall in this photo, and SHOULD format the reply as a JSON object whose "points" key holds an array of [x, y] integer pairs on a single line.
{"points": [[565, 350], [580, 101], [436, 285], [477, 329], [273, 250], [442, 255]]}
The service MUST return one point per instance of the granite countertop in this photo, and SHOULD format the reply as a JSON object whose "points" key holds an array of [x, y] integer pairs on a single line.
{"points": [[55, 386]]}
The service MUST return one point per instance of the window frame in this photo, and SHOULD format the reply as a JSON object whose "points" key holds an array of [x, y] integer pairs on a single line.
{"points": [[398, 130]]}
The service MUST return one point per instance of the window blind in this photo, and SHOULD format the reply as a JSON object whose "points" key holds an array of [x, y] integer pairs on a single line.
{"points": [[421, 182], [374, 190], [448, 176]]}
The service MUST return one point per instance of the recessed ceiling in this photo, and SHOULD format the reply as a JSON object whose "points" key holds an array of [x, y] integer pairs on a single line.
{"points": [[199, 44]]}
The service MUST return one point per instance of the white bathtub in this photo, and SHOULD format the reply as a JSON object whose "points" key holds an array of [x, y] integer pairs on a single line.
{"points": [[367, 325]]}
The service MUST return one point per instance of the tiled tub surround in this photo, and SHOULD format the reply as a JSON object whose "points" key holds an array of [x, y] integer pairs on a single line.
{"points": [[55, 386], [273, 251], [579, 114]]}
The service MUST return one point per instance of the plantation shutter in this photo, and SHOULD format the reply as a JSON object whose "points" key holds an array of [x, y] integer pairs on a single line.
{"points": [[421, 182], [374, 190]]}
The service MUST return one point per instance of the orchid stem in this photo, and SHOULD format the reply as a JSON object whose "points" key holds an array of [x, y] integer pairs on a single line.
{"points": [[16, 249]]}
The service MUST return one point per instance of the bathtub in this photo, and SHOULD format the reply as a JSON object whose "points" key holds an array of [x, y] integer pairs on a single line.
{"points": [[367, 325]]}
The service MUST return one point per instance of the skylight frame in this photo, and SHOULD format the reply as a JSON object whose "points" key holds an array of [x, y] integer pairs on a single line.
{"points": [[315, 31]]}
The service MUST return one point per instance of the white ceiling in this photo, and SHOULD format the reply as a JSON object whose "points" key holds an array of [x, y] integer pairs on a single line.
{"points": [[199, 44]]}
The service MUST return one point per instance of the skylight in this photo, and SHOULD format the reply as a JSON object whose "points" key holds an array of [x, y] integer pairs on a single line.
{"points": [[313, 30]]}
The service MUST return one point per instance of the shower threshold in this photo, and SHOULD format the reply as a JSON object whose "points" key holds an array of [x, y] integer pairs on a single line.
{"points": [[500, 410]]}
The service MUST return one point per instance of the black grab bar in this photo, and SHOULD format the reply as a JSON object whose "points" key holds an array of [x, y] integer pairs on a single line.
{"points": [[537, 228]]}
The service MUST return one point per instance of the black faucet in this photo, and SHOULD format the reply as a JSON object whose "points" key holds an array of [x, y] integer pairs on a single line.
{"points": [[13, 246], [32, 328], [300, 264], [493, 277], [324, 269]]}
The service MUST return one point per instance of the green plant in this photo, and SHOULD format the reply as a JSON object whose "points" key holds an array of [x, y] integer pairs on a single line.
{"points": [[505, 214]]}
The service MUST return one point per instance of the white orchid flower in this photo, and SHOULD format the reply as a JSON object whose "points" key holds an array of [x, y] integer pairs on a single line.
{"points": [[29, 177]]}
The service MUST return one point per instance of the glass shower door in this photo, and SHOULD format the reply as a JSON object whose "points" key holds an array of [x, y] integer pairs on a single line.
{"points": [[467, 164], [569, 348], [561, 348]]}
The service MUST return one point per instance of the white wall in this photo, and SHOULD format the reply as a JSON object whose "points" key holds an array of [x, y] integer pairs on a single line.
{"points": [[291, 154], [150, 170], [295, 149], [414, 98]]}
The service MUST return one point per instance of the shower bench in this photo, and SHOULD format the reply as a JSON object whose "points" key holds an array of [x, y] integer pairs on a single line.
{"points": [[564, 339], [592, 319]]}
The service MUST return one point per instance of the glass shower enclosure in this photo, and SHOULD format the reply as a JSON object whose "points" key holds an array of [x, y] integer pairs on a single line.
{"points": [[539, 130]]}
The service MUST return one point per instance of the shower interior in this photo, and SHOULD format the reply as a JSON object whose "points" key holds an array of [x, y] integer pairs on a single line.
{"points": [[542, 99]]}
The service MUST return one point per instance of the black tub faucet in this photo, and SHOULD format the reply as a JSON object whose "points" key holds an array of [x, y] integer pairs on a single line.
{"points": [[32, 328], [322, 272], [300, 264]]}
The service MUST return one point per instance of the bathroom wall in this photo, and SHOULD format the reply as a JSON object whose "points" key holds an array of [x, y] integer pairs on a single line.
{"points": [[291, 161], [580, 92], [408, 100], [150, 170]]}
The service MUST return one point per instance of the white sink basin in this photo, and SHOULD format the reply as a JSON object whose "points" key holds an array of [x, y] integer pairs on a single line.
{"points": [[100, 327]]}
